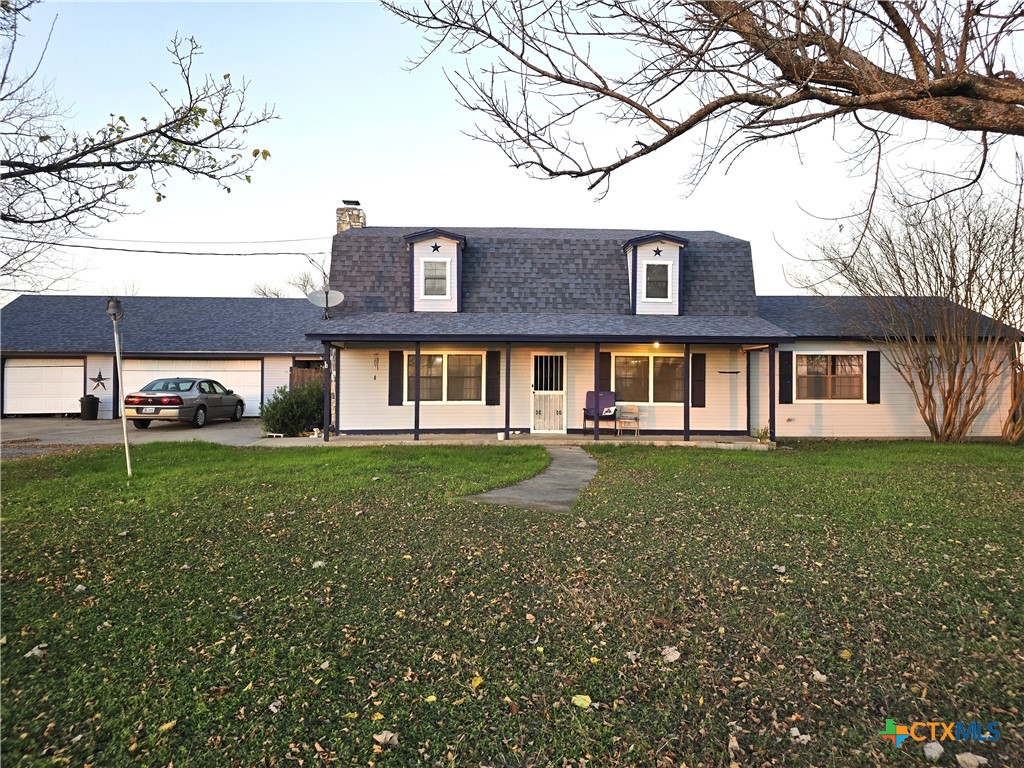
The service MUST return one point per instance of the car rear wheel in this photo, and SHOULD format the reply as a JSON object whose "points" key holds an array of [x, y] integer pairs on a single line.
{"points": [[141, 423], [239, 410], [199, 418]]}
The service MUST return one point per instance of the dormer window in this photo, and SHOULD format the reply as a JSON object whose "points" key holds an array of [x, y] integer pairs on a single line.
{"points": [[656, 281], [435, 278], [655, 268], [435, 270]]}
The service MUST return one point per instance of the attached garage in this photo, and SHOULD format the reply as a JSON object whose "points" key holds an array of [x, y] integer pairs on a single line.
{"points": [[243, 376], [43, 385]]}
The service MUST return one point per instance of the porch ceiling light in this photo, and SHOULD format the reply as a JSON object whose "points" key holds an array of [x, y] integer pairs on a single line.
{"points": [[657, 344]]}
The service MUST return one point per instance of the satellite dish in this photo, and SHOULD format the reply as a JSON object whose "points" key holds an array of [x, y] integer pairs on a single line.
{"points": [[325, 299]]}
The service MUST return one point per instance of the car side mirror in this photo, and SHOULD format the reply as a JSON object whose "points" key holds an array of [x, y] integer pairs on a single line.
{"points": [[231, 391]]}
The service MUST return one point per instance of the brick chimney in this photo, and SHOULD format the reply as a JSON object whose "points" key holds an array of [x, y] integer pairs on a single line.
{"points": [[351, 216]]}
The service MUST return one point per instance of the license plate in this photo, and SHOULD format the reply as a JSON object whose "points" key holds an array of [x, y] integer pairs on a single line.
{"points": [[148, 410]]}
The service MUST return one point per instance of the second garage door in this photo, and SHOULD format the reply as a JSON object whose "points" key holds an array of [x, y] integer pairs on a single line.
{"points": [[41, 386], [245, 377]]}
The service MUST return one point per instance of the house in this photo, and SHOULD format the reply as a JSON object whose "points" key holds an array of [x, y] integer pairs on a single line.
{"points": [[55, 349], [456, 329], [494, 329]]}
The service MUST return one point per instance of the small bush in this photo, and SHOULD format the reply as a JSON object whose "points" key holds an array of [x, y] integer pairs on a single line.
{"points": [[291, 411]]}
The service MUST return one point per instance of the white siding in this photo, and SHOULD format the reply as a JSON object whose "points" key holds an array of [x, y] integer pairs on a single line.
{"points": [[364, 391], [276, 374], [758, 390], [423, 251], [895, 416], [669, 255], [94, 365], [43, 385]]}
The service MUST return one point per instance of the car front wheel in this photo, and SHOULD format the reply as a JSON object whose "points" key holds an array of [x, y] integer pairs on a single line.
{"points": [[199, 418], [141, 423], [239, 410]]}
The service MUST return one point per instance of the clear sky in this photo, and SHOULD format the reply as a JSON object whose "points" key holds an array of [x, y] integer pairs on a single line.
{"points": [[357, 124]]}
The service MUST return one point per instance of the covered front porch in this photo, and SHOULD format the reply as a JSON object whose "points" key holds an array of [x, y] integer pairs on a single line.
{"points": [[456, 388]]}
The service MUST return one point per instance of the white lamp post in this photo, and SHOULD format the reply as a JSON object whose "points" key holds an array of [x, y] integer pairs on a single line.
{"points": [[115, 312]]}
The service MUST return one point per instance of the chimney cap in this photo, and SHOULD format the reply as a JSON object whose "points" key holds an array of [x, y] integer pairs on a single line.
{"points": [[350, 202]]}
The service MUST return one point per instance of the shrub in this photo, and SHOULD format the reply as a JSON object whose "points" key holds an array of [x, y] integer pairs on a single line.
{"points": [[291, 411]]}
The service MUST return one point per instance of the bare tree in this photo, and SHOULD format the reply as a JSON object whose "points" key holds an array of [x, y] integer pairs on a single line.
{"points": [[942, 285], [552, 76], [304, 283], [57, 181]]}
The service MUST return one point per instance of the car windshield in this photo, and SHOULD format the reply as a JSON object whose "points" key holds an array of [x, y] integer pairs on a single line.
{"points": [[169, 385]]}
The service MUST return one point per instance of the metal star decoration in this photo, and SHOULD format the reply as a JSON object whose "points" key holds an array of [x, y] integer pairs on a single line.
{"points": [[435, 247], [657, 251], [98, 382]]}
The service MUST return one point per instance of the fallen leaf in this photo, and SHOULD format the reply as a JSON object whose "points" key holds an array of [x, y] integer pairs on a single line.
{"points": [[376, 716], [351, 715], [970, 760], [275, 706], [632, 656], [167, 726], [39, 651], [669, 654], [817, 677], [594, 660], [386, 738], [530, 618], [431, 698], [845, 655], [319, 564], [476, 682], [581, 700], [325, 665]]}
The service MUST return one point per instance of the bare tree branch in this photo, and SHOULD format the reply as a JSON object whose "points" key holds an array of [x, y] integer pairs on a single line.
{"points": [[55, 181], [942, 281], [551, 76]]}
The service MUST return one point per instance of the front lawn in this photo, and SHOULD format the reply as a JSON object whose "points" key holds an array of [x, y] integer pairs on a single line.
{"points": [[237, 607]]}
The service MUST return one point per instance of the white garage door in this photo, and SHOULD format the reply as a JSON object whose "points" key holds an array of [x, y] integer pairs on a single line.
{"points": [[43, 386], [242, 376]]}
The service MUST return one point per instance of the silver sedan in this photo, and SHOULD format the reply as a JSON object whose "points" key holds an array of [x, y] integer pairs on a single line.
{"points": [[192, 400]]}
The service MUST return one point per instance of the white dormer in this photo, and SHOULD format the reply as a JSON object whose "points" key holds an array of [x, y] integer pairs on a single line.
{"points": [[435, 271], [654, 265]]}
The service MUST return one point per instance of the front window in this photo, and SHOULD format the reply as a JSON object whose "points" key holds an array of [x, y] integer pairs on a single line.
{"points": [[450, 378], [656, 281], [435, 278], [829, 377], [634, 383]]}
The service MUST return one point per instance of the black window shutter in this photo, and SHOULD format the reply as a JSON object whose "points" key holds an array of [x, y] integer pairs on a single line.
{"points": [[493, 394], [785, 377], [396, 370], [874, 377], [606, 372], [698, 377]]}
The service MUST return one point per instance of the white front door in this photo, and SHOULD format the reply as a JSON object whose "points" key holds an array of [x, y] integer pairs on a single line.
{"points": [[548, 393]]}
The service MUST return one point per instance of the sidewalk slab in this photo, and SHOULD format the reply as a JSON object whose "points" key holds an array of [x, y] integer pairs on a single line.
{"points": [[553, 490]]}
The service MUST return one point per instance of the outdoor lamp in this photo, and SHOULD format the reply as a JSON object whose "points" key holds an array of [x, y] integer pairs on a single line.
{"points": [[114, 309]]}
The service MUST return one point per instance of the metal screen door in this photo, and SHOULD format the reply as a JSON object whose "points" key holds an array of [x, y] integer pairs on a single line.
{"points": [[549, 393]]}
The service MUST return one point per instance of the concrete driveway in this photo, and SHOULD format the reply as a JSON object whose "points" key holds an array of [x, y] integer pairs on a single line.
{"points": [[35, 436]]}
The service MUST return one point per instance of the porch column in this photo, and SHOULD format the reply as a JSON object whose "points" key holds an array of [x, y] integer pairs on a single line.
{"points": [[508, 389], [327, 391], [597, 390], [686, 393], [771, 391], [416, 395]]}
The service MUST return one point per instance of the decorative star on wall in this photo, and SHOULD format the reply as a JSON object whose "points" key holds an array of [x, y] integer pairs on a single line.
{"points": [[98, 381], [657, 251], [435, 247]]}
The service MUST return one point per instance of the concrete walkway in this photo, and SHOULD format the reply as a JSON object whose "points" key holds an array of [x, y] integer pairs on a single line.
{"points": [[553, 490]]}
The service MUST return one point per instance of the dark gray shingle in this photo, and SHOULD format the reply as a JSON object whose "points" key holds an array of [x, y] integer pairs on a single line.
{"points": [[508, 269], [159, 325]]}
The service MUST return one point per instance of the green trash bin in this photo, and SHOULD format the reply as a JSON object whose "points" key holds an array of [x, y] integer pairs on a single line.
{"points": [[90, 407]]}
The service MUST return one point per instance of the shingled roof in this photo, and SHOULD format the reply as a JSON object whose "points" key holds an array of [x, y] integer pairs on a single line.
{"points": [[159, 325], [847, 317], [520, 270]]}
